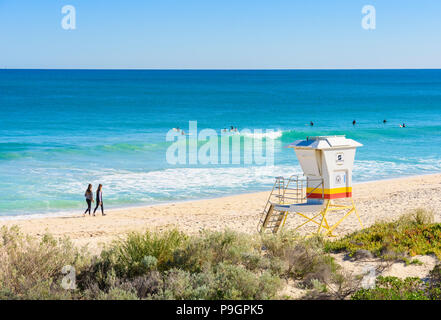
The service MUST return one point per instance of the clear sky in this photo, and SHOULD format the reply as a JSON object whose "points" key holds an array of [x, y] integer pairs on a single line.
{"points": [[220, 34]]}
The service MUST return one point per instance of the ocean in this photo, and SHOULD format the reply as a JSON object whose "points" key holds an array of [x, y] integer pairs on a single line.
{"points": [[63, 129]]}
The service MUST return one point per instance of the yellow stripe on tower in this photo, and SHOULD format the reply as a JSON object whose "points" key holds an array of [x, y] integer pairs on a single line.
{"points": [[329, 191]]}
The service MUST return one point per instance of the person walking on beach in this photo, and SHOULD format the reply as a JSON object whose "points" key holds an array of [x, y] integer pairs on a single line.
{"points": [[99, 200], [89, 199]]}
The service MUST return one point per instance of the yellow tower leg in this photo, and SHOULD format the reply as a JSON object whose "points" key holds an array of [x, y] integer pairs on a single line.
{"points": [[321, 218], [324, 212], [340, 207]]}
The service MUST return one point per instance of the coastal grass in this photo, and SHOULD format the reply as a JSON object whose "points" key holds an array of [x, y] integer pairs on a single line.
{"points": [[216, 265], [393, 288], [411, 288], [31, 268], [412, 234], [168, 265]]}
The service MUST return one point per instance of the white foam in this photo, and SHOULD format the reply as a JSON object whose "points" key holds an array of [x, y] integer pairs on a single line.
{"points": [[182, 183], [262, 135], [126, 188], [368, 170]]}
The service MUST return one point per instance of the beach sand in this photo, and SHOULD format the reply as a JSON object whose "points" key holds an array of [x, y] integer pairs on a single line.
{"points": [[380, 200]]}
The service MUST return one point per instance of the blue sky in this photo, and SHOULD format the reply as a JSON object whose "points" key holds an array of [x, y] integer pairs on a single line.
{"points": [[220, 34]]}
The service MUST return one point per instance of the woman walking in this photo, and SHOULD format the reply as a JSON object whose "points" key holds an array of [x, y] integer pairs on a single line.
{"points": [[89, 199], [99, 200]]}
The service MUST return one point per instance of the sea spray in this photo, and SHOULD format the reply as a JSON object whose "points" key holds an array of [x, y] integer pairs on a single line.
{"points": [[219, 148]]}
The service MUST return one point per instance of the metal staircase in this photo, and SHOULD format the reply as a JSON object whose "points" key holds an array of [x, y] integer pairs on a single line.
{"points": [[284, 192]]}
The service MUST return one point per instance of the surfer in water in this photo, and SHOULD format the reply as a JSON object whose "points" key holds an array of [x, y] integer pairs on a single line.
{"points": [[403, 125], [311, 124], [354, 122], [384, 121]]}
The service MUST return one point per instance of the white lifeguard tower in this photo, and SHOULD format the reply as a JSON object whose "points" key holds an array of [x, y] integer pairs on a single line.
{"points": [[327, 163]]}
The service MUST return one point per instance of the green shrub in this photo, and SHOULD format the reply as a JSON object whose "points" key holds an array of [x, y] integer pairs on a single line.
{"points": [[434, 283], [141, 253], [435, 276], [393, 288], [182, 285], [173, 266], [236, 282], [275, 244], [31, 268], [213, 265], [298, 257], [410, 235], [212, 248]]}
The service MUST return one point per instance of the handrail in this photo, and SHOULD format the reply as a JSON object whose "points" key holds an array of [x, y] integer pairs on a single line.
{"points": [[299, 187], [287, 193]]}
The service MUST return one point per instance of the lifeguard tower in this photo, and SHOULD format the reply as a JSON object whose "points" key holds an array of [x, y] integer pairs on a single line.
{"points": [[327, 163]]}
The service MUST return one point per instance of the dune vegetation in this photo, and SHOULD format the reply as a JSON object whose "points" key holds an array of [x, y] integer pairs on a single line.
{"points": [[215, 265]]}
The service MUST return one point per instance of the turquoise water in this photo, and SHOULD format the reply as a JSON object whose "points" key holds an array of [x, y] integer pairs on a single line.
{"points": [[61, 129]]}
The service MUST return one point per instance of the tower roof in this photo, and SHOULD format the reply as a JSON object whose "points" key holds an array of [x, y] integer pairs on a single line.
{"points": [[324, 142]]}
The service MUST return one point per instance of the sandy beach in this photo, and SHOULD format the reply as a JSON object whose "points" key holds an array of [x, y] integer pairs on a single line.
{"points": [[379, 200]]}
